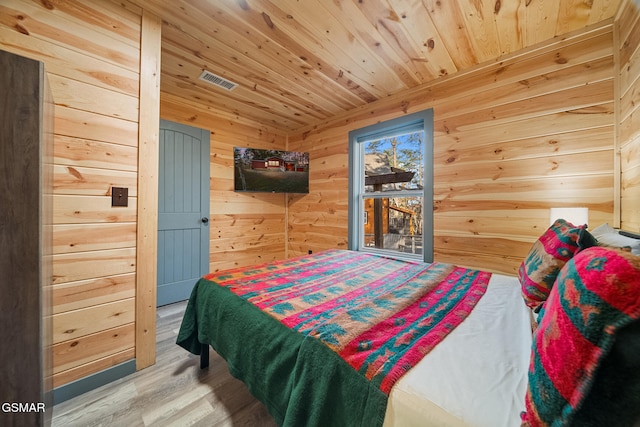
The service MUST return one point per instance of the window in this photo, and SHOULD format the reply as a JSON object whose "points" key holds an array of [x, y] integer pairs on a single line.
{"points": [[391, 187]]}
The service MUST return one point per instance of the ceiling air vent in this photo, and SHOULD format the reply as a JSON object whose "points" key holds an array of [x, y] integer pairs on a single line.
{"points": [[217, 80]]}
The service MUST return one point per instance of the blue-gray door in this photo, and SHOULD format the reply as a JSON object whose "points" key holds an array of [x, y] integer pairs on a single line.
{"points": [[183, 210]]}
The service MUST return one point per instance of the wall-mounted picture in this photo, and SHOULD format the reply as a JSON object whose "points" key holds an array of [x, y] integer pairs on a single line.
{"points": [[270, 171]]}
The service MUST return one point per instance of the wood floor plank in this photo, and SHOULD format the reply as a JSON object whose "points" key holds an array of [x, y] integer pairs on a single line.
{"points": [[173, 392]]}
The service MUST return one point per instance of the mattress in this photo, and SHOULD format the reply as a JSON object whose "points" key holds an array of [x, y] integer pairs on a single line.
{"points": [[477, 376]]}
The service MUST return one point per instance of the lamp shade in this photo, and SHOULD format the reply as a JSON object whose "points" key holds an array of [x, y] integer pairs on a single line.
{"points": [[576, 216]]}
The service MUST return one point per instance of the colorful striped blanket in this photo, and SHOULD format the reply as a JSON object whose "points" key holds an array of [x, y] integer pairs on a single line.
{"points": [[379, 315]]}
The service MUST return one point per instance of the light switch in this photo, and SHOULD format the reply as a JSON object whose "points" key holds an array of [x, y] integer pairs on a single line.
{"points": [[119, 196]]}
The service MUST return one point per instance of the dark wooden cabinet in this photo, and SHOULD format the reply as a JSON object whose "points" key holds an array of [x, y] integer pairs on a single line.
{"points": [[26, 173]]}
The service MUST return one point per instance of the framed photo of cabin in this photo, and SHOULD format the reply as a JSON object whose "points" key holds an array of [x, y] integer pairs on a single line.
{"points": [[270, 171]]}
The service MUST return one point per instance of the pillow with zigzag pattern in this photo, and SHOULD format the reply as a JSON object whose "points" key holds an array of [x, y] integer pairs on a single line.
{"points": [[549, 253]]}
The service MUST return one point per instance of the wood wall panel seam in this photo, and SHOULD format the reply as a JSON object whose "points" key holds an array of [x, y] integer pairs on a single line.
{"points": [[92, 367], [78, 351], [88, 70], [38, 22]]}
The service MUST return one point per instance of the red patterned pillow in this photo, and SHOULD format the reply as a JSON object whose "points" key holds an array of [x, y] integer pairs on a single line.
{"points": [[595, 298], [548, 254]]}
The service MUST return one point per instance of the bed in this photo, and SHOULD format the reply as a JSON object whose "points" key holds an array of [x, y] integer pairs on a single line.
{"points": [[301, 374], [355, 339]]}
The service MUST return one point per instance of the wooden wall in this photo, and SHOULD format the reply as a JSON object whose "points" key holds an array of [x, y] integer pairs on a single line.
{"points": [[92, 53], [246, 228], [512, 139], [628, 113]]}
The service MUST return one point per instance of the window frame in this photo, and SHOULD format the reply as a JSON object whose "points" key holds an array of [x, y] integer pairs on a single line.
{"points": [[422, 120]]}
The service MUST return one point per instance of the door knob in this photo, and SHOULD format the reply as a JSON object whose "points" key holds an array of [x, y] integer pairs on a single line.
{"points": [[204, 220]]}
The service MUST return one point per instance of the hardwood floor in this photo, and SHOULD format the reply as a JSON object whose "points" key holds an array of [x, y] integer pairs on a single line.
{"points": [[173, 392]]}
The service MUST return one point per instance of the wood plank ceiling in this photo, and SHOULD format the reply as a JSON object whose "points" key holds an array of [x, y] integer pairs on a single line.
{"points": [[299, 62]]}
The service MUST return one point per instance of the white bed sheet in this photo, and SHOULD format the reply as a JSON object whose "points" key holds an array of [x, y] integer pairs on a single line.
{"points": [[477, 376]]}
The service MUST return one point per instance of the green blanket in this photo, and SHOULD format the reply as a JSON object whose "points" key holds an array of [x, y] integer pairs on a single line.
{"points": [[301, 381]]}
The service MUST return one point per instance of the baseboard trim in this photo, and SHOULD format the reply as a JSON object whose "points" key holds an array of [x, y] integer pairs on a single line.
{"points": [[83, 385]]}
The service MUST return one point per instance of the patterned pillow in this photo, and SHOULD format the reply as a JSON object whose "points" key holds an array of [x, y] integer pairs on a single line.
{"points": [[548, 254], [596, 295]]}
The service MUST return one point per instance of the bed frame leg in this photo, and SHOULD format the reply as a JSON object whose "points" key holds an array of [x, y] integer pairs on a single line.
{"points": [[204, 356]]}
